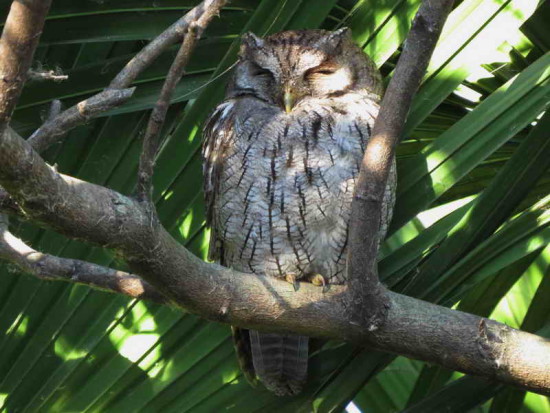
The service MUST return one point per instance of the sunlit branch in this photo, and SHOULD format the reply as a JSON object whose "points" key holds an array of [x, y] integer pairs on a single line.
{"points": [[369, 302], [39, 75], [414, 328], [50, 267]]}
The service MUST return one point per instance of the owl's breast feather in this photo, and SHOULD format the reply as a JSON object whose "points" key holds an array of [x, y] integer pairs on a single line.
{"points": [[287, 187]]}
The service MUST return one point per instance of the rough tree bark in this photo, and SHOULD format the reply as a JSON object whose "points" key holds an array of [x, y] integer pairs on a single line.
{"points": [[151, 140], [49, 267], [369, 299], [20, 37], [99, 215]]}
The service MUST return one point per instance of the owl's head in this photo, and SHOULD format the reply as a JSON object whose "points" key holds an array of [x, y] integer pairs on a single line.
{"points": [[288, 68]]}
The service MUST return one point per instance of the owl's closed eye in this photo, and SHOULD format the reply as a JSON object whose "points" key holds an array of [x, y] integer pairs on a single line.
{"points": [[286, 70]]}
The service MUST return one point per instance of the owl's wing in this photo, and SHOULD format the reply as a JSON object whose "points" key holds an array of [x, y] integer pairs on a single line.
{"points": [[217, 133]]}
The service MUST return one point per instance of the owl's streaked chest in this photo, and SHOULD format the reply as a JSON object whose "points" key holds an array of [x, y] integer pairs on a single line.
{"points": [[287, 185]]}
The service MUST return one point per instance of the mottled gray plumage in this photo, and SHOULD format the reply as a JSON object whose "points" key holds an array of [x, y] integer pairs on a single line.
{"points": [[279, 183]]}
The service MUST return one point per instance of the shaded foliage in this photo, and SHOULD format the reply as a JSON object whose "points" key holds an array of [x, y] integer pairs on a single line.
{"points": [[469, 139]]}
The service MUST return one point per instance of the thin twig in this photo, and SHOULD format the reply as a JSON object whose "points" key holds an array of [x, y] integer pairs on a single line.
{"points": [[82, 112], [369, 301], [66, 120], [50, 267], [19, 40], [151, 140], [47, 75], [162, 42]]}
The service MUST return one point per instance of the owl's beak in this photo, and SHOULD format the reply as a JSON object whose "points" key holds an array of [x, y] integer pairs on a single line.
{"points": [[289, 99]]}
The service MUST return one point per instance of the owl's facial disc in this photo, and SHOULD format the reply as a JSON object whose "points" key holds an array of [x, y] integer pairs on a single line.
{"points": [[288, 68]]}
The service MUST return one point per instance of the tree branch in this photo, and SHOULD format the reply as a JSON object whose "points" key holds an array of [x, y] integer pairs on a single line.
{"points": [[54, 129], [118, 91], [369, 299], [49, 267], [162, 42], [55, 109], [58, 124], [17, 45], [19, 40], [414, 328], [47, 75], [151, 140], [82, 112], [8, 204]]}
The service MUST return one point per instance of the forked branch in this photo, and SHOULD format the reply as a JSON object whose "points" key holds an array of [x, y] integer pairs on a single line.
{"points": [[50, 267], [151, 140], [162, 42], [59, 124], [82, 112], [117, 92]]}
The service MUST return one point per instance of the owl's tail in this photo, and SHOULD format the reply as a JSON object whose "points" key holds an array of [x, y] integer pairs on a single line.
{"points": [[279, 361]]}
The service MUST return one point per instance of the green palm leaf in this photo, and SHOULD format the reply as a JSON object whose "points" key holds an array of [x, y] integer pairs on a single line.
{"points": [[471, 227]]}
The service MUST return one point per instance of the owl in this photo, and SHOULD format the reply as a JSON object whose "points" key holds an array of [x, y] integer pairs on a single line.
{"points": [[281, 155]]}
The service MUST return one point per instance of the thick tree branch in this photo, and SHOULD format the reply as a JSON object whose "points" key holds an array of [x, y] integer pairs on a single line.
{"points": [[49, 267], [414, 328], [151, 140], [19, 40], [58, 124], [369, 299]]}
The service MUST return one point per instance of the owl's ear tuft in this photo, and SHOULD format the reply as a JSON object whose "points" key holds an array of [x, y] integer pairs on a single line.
{"points": [[334, 39], [341, 33], [250, 41]]}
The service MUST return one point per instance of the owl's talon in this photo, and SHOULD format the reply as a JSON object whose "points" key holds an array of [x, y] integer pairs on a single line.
{"points": [[291, 278], [318, 280]]}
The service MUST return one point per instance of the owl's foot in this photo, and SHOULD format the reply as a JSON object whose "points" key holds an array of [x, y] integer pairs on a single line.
{"points": [[318, 280], [291, 277]]}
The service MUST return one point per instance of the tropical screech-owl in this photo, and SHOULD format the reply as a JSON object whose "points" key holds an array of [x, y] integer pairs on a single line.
{"points": [[281, 154]]}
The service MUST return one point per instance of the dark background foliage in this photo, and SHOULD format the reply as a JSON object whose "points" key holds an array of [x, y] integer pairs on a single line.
{"points": [[467, 229]]}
